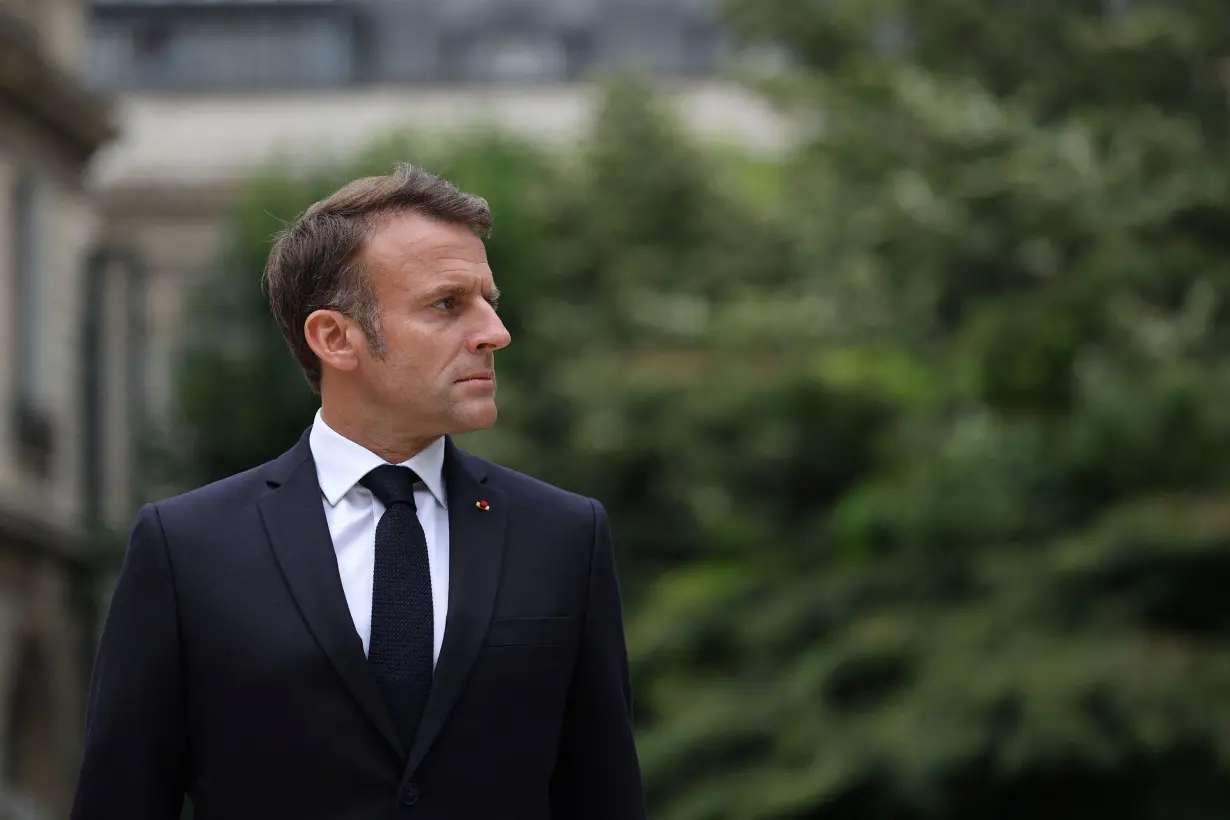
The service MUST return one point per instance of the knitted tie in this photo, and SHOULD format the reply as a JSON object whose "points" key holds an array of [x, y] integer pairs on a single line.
{"points": [[400, 649]]}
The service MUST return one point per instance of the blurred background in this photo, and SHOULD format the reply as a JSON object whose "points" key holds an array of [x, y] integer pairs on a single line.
{"points": [[893, 334]]}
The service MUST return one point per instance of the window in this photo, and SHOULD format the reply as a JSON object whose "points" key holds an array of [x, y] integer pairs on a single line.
{"points": [[151, 42], [224, 48], [26, 303], [524, 59], [31, 422]]}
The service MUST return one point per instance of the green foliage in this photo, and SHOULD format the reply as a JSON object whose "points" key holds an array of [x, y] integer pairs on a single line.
{"points": [[1018, 611]]}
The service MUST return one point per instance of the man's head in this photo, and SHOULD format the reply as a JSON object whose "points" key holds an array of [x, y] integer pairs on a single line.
{"points": [[384, 295]]}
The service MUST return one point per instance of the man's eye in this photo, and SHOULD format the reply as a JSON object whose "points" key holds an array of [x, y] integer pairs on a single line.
{"points": [[447, 303]]}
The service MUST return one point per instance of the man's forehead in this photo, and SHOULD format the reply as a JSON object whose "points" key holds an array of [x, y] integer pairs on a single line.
{"points": [[463, 276], [410, 237]]}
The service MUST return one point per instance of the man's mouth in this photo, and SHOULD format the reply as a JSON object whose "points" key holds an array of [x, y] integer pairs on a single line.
{"points": [[484, 376]]}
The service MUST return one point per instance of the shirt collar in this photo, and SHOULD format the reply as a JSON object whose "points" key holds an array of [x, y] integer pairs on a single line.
{"points": [[340, 463]]}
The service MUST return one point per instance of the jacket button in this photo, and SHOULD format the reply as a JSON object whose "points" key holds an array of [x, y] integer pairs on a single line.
{"points": [[410, 795]]}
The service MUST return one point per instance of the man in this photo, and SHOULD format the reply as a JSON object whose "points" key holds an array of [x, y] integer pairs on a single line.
{"points": [[376, 624]]}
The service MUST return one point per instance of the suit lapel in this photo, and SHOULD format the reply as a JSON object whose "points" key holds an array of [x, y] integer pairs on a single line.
{"points": [[477, 515], [299, 535]]}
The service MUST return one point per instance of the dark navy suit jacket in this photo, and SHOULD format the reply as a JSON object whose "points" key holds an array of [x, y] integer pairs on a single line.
{"points": [[229, 667]]}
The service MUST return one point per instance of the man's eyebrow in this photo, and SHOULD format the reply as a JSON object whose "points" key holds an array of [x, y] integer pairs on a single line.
{"points": [[450, 288]]}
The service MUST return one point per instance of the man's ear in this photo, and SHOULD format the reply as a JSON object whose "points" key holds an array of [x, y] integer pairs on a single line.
{"points": [[331, 337]]}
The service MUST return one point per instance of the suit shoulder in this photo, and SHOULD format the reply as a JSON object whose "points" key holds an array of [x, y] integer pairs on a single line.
{"points": [[218, 497]]}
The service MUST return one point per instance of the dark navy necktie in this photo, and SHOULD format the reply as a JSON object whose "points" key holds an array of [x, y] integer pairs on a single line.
{"points": [[400, 649]]}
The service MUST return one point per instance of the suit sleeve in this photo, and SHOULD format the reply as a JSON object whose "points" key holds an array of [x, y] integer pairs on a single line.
{"points": [[597, 776], [135, 730]]}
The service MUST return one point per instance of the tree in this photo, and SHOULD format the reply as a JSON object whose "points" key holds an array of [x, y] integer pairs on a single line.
{"points": [[1014, 607]]}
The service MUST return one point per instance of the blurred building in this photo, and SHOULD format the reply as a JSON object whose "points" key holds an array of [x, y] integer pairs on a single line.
{"points": [[282, 44], [208, 90], [50, 126]]}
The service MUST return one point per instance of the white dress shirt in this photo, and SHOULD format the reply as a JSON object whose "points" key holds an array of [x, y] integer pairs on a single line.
{"points": [[353, 512]]}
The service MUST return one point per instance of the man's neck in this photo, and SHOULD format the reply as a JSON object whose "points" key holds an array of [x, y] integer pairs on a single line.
{"points": [[395, 447]]}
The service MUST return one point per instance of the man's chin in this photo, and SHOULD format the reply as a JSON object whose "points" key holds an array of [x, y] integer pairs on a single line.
{"points": [[471, 419]]}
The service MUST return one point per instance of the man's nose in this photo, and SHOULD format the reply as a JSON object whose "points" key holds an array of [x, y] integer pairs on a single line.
{"points": [[492, 335]]}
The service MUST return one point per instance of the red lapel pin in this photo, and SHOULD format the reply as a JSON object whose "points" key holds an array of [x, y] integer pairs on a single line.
{"points": [[483, 505]]}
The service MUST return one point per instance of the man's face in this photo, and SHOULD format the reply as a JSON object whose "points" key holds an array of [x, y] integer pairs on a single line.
{"points": [[435, 296]]}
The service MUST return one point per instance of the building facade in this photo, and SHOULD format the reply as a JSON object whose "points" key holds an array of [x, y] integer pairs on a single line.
{"points": [[285, 44], [50, 127]]}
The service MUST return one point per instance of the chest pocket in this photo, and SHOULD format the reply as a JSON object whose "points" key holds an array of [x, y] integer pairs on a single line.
{"points": [[553, 631]]}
